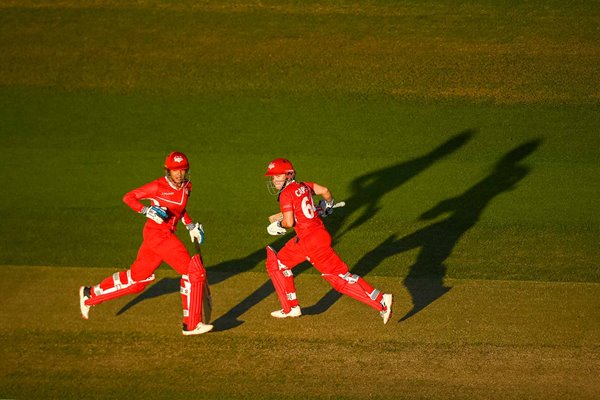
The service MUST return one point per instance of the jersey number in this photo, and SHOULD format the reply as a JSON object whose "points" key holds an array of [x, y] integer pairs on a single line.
{"points": [[307, 207]]}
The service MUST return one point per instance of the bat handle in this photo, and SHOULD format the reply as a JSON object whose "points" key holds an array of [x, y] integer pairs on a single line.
{"points": [[197, 246]]}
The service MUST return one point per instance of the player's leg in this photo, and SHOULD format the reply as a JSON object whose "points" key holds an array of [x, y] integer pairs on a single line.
{"points": [[192, 288], [358, 288], [133, 280], [279, 267], [116, 285], [173, 252], [335, 271], [193, 279]]}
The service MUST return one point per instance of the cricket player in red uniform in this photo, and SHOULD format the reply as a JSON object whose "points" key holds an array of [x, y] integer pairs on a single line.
{"points": [[168, 198], [312, 243]]}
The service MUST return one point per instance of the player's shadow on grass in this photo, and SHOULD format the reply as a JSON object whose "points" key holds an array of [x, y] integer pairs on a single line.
{"points": [[425, 280], [162, 287], [369, 189]]}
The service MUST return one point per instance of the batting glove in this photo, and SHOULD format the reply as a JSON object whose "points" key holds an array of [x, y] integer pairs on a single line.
{"points": [[156, 214], [326, 208], [276, 229], [196, 232]]}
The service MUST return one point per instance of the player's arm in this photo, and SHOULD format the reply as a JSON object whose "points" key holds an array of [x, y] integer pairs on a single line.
{"points": [[132, 199], [326, 204], [275, 217], [280, 223], [322, 191], [185, 218], [287, 220], [195, 228]]}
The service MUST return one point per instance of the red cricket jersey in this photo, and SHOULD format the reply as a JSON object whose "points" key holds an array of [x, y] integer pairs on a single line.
{"points": [[297, 197], [163, 194]]}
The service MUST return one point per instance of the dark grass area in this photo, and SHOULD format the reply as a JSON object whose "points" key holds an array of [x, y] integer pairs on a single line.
{"points": [[438, 189]]}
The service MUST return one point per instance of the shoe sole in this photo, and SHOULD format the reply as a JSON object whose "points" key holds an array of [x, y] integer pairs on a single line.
{"points": [[192, 333], [286, 316], [278, 315]]}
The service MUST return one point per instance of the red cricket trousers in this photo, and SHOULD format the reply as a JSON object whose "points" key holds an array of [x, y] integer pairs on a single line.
{"points": [[159, 245], [316, 247]]}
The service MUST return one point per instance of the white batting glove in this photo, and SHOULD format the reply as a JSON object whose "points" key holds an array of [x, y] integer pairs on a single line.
{"points": [[326, 208], [196, 232], [155, 213], [275, 229]]}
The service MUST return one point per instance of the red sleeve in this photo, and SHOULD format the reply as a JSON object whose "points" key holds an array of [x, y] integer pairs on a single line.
{"points": [[132, 199], [186, 218], [286, 202], [311, 186]]}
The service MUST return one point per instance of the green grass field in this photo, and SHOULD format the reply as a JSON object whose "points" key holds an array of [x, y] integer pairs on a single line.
{"points": [[463, 138]]}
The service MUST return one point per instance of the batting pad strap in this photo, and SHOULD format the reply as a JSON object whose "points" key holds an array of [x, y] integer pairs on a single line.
{"points": [[350, 278], [117, 280], [287, 273], [374, 294]]}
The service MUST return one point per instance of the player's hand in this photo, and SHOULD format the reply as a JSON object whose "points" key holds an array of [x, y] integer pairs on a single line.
{"points": [[196, 232], [156, 214], [325, 208], [276, 229]]}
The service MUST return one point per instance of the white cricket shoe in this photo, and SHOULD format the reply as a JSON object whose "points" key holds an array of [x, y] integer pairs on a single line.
{"points": [[386, 313], [294, 312], [85, 310], [200, 329]]}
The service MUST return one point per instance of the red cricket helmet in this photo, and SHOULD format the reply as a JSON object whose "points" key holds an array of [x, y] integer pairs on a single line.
{"points": [[280, 166], [176, 161]]}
